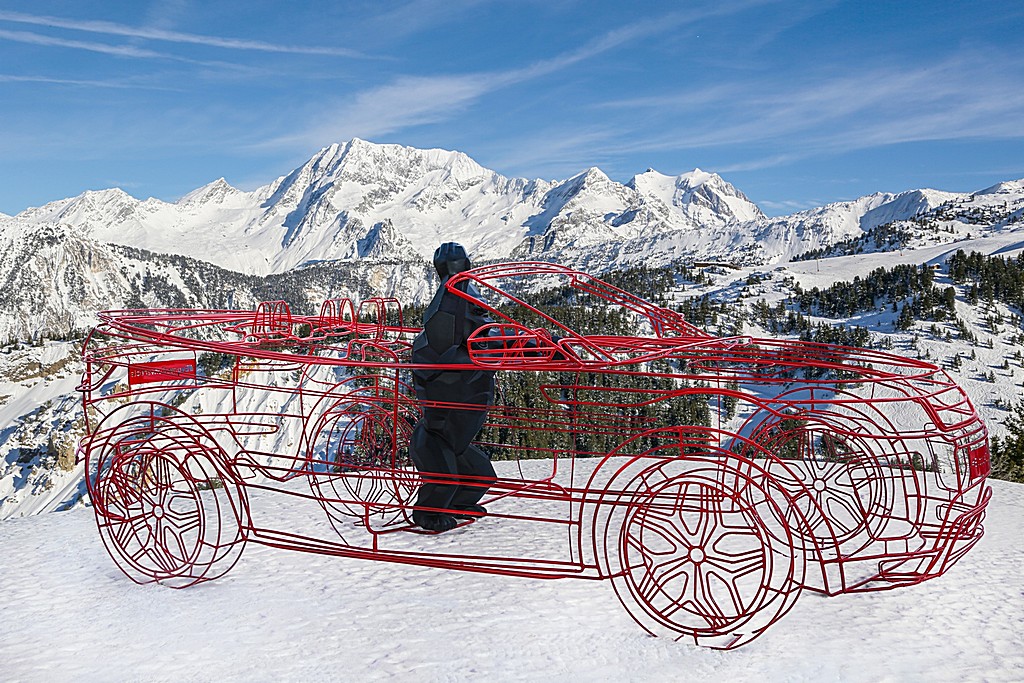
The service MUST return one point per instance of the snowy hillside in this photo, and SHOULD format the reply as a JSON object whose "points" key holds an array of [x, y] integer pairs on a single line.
{"points": [[704, 197], [359, 199], [70, 615], [359, 219], [987, 364], [56, 277]]}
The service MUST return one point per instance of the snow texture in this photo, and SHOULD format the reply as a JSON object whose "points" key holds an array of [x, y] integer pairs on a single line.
{"points": [[359, 199], [70, 615]]}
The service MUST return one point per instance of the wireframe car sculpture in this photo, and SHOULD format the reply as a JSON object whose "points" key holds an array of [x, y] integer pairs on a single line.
{"points": [[710, 479]]}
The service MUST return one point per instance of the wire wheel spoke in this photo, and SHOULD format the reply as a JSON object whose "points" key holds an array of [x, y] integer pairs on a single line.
{"points": [[737, 565], [132, 535], [160, 555], [175, 543], [819, 472], [709, 515], [833, 474], [831, 504], [707, 600], [843, 511], [665, 526], [183, 513], [688, 548], [157, 480], [664, 581], [705, 553], [361, 444], [153, 519], [657, 556]]}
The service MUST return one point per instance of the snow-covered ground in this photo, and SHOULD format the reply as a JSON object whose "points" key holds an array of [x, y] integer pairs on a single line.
{"points": [[69, 615], [40, 412], [978, 363], [39, 408]]}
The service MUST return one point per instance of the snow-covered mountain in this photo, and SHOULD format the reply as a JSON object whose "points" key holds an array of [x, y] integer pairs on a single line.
{"points": [[362, 200], [826, 225], [346, 202], [703, 197], [55, 277], [335, 205], [361, 219]]}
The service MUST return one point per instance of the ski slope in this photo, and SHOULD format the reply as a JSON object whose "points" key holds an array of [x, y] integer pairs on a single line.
{"points": [[69, 615]]}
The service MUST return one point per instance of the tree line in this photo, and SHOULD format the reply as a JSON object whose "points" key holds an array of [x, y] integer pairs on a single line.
{"points": [[1008, 452], [989, 278]]}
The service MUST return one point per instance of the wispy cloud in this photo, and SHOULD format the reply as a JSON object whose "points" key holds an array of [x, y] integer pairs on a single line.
{"points": [[409, 101], [129, 51], [159, 34], [969, 96], [789, 205], [759, 164], [554, 152], [966, 96], [104, 48], [593, 48], [406, 102], [417, 16], [635, 31], [125, 84]]}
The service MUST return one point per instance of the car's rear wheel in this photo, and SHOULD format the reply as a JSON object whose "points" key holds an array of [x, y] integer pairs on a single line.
{"points": [[359, 457], [165, 512]]}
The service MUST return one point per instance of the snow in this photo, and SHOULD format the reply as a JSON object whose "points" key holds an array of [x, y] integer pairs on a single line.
{"points": [[704, 198], [38, 402], [977, 361], [70, 615], [1006, 187], [825, 272], [324, 208]]}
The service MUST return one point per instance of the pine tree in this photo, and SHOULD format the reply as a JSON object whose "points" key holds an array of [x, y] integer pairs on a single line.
{"points": [[1008, 453], [906, 319]]}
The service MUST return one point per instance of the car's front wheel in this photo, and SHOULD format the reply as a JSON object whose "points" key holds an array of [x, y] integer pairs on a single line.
{"points": [[701, 553]]}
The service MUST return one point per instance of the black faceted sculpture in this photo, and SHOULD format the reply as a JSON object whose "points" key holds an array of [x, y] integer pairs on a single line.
{"points": [[442, 439]]}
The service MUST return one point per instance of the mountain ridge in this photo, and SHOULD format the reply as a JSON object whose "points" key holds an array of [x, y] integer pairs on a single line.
{"points": [[325, 208], [360, 219]]}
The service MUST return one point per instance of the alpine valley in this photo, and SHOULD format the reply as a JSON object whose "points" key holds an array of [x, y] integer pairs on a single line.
{"points": [[924, 273]]}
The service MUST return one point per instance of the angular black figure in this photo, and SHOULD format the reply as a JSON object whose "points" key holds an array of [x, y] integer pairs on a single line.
{"points": [[442, 439]]}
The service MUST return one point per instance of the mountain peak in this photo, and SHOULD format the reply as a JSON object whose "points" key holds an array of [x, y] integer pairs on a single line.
{"points": [[107, 196], [591, 176], [706, 198], [1006, 187], [388, 164], [215, 192], [698, 177]]}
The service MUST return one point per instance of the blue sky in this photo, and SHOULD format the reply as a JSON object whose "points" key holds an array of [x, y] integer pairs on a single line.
{"points": [[797, 103]]}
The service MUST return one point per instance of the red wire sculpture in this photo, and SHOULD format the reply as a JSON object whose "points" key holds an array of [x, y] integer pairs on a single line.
{"points": [[816, 467]]}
